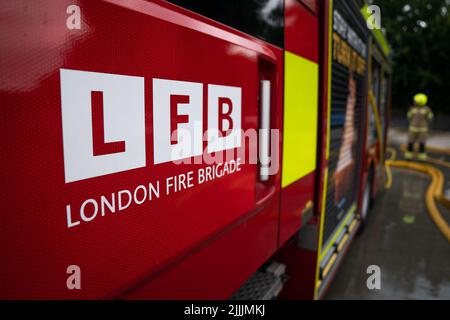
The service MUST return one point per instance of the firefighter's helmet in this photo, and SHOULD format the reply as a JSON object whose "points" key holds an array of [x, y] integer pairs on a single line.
{"points": [[420, 99]]}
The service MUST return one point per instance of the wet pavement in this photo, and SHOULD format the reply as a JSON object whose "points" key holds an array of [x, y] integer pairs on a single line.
{"points": [[441, 139], [400, 238]]}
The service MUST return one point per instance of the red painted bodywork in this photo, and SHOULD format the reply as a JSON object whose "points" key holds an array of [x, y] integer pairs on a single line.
{"points": [[311, 5], [294, 197], [313, 45], [200, 243], [229, 225], [322, 161], [293, 202], [301, 31], [301, 267]]}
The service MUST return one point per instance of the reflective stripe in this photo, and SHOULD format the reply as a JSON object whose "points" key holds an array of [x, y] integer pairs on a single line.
{"points": [[418, 129], [422, 156], [408, 155], [301, 94]]}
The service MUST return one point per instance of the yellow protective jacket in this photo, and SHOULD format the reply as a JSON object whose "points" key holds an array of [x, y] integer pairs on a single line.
{"points": [[419, 118]]}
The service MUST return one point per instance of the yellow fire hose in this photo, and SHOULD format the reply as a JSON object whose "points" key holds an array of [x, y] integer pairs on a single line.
{"points": [[439, 162], [435, 150], [373, 103], [434, 191], [392, 157]]}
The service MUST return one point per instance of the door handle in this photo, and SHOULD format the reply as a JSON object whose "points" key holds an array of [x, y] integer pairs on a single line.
{"points": [[264, 132]]}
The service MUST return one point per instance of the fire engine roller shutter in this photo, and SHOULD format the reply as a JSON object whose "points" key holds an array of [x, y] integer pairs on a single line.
{"points": [[347, 101]]}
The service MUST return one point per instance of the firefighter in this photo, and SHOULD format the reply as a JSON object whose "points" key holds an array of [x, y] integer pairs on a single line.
{"points": [[419, 117]]}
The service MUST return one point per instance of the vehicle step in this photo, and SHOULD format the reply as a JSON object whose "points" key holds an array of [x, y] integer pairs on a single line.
{"points": [[263, 285]]}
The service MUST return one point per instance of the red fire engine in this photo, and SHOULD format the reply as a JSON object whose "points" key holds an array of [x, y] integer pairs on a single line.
{"points": [[116, 114]]}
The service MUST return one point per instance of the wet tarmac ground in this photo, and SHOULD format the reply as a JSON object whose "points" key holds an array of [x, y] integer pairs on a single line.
{"points": [[402, 239]]}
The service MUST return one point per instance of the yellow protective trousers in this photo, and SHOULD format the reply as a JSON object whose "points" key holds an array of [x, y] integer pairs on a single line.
{"points": [[417, 136]]}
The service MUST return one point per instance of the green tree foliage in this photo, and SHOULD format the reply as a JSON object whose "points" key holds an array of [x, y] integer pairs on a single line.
{"points": [[419, 34]]}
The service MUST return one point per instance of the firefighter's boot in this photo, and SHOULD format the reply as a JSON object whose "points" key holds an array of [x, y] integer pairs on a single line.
{"points": [[422, 153], [410, 151]]}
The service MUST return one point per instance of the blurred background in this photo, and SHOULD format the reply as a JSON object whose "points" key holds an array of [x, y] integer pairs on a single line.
{"points": [[419, 34]]}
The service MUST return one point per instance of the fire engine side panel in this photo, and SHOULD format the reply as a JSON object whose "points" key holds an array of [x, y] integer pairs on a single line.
{"points": [[379, 87], [216, 269], [347, 100], [300, 116], [43, 230]]}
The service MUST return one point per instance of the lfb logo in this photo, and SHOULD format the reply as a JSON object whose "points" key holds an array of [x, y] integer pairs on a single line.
{"points": [[103, 119]]}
